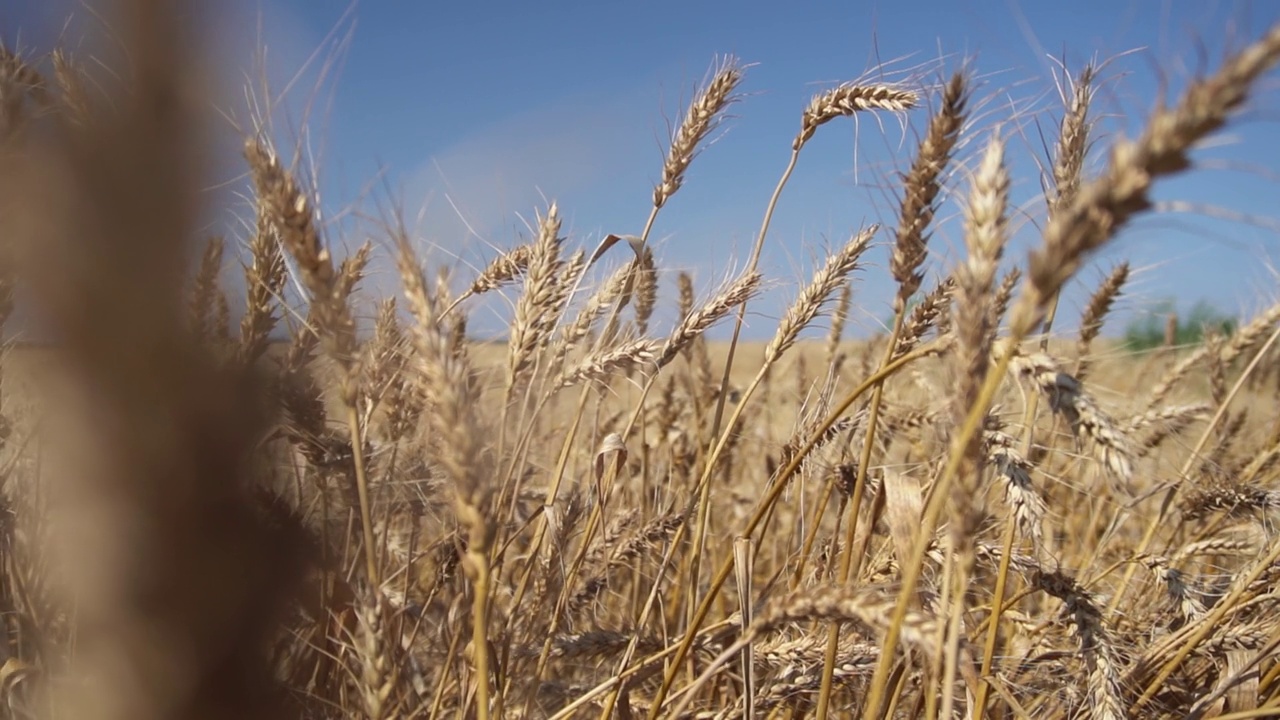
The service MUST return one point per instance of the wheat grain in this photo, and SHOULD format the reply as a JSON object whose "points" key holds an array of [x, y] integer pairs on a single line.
{"points": [[825, 281], [849, 99], [921, 185], [704, 116]]}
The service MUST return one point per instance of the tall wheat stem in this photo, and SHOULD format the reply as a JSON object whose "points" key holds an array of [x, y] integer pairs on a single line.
{"points": [[780, 485], [362, 491], [563, 462], [811, 535], [849, 560], [997, 608], [929, 524], [704, 493]]}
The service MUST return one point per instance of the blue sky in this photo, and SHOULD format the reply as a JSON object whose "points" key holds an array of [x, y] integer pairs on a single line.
{"points": [[472, 115]]}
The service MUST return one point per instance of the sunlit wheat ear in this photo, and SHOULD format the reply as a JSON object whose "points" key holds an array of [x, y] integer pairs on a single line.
{"points": [[1104, 205], [1214, 546], [848, 99], [1004, 293], [384, 353], [926, 314], [444, 379], [71, 82], [535, 314], [20, 82], [838, 317], [503, 269], [1174, 375], [1073, 142], [646, 290], [704, 115], [1185, 597], [621, 555], [822, 602], [623, 523], [587, 645], [572, 334], [804, 430], [921, 186], [1097, 645], [1027, 505], [294, 220], [17, 70], [697, 322], [291, 215], [985, 236], [567, 276], [1067, 397], [1096, 312], [202, 300], [1251, 335], [794, 666], [825, 282], [264, 277], [1232, 498], [684, 285], [601, 365]]}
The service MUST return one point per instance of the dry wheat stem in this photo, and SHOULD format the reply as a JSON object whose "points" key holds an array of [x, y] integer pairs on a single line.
{"points": [[822, 109], [735, 294], [724, 302], [921, 186], [929, 522], [718, 416], [985, 235], [780, 484], [702, 118], [825, 281], [444, 379]]}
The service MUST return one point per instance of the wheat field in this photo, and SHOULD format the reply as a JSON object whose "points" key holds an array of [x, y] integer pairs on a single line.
{"points": [[291, 511]]}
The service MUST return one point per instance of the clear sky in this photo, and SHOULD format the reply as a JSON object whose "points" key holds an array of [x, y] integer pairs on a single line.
{"points": [[472, 115]]}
